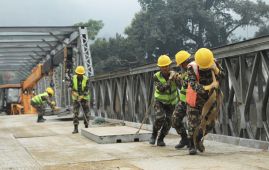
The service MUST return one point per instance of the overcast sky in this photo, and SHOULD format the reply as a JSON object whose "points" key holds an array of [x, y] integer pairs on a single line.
{"points": [[116, 14]]}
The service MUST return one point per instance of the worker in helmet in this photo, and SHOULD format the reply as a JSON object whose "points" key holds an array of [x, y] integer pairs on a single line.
{"points": [[182, 59], [166, 97], [80, 96], [202, 97], [39, 103]]}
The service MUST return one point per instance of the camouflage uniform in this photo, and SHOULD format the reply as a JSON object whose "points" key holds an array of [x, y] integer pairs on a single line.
{"points": [[85, 106], [178, 116], [194, 113], [163, 118], [40, 107], [180, 110], [83, 102], [163, 111]]}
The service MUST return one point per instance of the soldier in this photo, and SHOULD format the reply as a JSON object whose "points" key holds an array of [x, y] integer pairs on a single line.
{"points": [[39, 103], [202, 75], [182, 59], [80, 97], [166, 97]]}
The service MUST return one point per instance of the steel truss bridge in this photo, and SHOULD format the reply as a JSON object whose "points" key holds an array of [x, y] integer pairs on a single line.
{"points": [[126, 95]]}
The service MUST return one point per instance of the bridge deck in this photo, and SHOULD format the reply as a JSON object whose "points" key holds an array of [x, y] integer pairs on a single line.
{"points": [[25, 144]]}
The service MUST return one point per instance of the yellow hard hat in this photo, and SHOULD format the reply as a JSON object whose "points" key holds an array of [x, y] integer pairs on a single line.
{"points": [[164, 60], [182, 56], [50, 91], [80, 70], [204, 58]]}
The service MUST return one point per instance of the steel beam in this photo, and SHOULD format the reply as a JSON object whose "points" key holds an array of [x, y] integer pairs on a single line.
{"points": [[242, 48], [85, 51], [233, 78], [28, 41], [18, 56], [68, 40], [8, 61], [62, 29], [16, 50], [21, 48], [29, 38], [18, 34], [60, 39], [43, 49], [249, 92], [26, 44], [3, 54]]}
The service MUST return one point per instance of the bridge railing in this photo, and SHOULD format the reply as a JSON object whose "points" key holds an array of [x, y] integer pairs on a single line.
{"points": [[128, 94]]}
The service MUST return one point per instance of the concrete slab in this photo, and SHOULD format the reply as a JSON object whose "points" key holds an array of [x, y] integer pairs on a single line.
{"points": [[14, 156], [116, 134], [104, 165], [69, 155], [67, 151]]}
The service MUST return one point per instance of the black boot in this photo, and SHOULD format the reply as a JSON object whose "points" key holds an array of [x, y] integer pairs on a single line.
{"points": [[39, 119], [86, 125], [75, 129], [160, 141], [183, 142], [200, 145], [153, 138], [43, 118], [192, 149]]}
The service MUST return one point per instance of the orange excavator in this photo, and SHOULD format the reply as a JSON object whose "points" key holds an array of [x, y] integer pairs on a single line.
{"points": [[23, 106], [26, 93]]}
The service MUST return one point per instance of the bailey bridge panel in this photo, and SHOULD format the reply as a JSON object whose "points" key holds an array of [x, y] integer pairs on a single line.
{"points": [[128, 94]]}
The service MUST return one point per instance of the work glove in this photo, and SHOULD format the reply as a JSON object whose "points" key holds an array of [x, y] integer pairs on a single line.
{"points": [[74, 93], [178, 76], [214, 84], [80, 98], [53, 103], [172, 75]]}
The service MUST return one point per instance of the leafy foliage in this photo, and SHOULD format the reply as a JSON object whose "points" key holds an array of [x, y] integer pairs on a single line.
{"points": [[264, 30], [167, 26], [93, 27], [113, 54]]}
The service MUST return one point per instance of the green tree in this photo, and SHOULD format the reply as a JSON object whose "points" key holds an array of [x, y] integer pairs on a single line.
{"points": [[172, 25], [167, 26], [93, 27], [112, 54], [263, 30]]}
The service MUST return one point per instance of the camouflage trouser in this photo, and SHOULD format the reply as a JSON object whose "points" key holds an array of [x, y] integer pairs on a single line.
{"points": [[177, 118], [86, 109], [39, 108], [163, 119], [194, 119]]}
